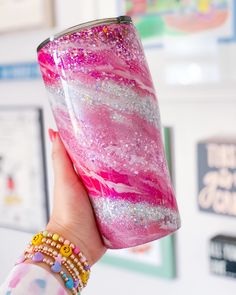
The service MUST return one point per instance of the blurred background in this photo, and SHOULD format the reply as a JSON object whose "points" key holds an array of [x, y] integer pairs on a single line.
{"points": [[190, 46]]}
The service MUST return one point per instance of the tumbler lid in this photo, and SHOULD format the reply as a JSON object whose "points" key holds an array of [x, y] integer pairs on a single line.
{"points": [[124, 19]]}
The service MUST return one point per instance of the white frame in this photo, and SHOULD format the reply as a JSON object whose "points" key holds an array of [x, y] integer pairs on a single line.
{"points": [[24, 206], [25, 14]]}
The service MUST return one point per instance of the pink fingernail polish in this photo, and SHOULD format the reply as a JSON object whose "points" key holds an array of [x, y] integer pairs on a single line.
{"points": [[52, 134]]}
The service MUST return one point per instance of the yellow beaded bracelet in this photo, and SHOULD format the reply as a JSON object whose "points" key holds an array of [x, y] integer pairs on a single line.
{"points": [[59, 253], [66, 248]]}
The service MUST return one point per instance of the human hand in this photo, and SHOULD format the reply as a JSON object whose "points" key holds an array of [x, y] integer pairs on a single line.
{"points": [[72, 216]]}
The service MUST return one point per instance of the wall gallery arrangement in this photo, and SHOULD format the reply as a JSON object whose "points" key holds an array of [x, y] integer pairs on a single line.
{"points": [[216, 158], [23, 178], [23, 190]]}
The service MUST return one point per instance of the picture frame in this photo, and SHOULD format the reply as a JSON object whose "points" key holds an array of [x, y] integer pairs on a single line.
{"points": [[156, 258], [26, 14], [222, 255], [159, 22], [165, 269], [23, 178], [216, 185], [19, 71]]}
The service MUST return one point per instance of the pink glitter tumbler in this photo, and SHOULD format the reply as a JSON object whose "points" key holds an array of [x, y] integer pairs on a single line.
{"points": [[106, 110]]}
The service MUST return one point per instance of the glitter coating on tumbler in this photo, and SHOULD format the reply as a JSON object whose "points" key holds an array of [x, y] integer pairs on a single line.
{"points": [[106, 110]]}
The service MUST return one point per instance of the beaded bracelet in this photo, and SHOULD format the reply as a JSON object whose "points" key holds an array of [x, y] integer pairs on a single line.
{"points": [[57, 263], [69, 283], [71, 260], [62, 257], [66, 248], [79, 262]]}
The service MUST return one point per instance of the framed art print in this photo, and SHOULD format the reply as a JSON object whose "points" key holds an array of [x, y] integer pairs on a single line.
{"points": [[216, 159], [25, 14], [158, 19], [23, 186], [156, 258], [222, 255], [19, 71]]}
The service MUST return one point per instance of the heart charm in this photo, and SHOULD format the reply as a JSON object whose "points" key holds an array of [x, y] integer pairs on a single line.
{"points": [[76, 284], [87, 267], [70, 283], [38, 257], [56, 267]]}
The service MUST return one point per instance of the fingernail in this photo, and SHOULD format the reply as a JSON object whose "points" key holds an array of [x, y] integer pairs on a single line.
{"points": [[52, 134]]}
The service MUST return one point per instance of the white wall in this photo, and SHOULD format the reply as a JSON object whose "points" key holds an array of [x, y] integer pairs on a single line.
{"points": [[195, 112]]}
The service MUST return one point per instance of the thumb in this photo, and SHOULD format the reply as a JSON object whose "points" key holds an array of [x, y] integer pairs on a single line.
{"points": [[62, 165]]}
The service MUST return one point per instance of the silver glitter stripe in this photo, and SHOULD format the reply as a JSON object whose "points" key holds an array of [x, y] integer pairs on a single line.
{"points": [[110, 94], [129, 214]]}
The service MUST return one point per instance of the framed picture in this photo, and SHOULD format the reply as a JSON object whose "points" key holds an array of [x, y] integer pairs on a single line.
{"points": [[216, 159], [19, 71], [23, 185], [25, 14], [222, 255], [156, 258], [156, 19]]}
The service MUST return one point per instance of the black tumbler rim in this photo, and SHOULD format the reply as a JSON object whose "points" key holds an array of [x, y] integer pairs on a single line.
{"points": [[124, 19]]}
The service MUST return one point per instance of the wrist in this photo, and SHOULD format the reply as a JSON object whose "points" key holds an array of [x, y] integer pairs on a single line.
{"points": [[67, 233], [50, 249]]}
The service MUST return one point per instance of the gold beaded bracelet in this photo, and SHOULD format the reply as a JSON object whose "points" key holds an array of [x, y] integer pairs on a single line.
{"points": [[73, 257], [63, 258], [64, 262]]}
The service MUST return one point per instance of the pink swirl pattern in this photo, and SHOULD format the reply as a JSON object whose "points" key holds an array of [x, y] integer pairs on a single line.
{"points": [[106, 110]]}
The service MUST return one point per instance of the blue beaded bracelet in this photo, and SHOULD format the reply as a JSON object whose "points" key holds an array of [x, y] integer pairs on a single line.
{"points": [[70, 284]]}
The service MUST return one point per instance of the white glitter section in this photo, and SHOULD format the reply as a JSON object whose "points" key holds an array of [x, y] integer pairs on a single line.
{"points": [[129, 215], [107, 93]]}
